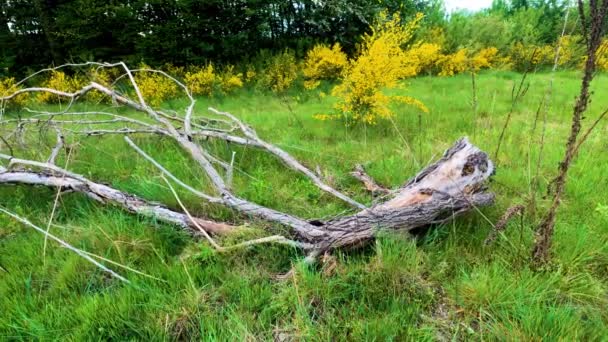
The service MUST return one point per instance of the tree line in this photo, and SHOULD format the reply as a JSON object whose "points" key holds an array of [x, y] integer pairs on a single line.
{"points": [[39, 33]]}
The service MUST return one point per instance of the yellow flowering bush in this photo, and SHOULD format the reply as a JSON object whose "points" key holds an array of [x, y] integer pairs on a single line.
{"points": [[7, 87], [173, 70], [154, 87], [525, 56], [484, 59], [230, 81], [201, 81], [58, 80], [103, 76], [323, 63], [280, 73], [379, 66], [250, 74], [454, 63], [421, 57]]}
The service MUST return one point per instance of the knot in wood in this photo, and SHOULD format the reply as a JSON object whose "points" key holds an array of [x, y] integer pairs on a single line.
{"points": [[476, 160]]}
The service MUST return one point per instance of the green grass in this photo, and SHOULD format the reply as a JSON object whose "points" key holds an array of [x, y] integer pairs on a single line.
{"points": [[443, 284]]}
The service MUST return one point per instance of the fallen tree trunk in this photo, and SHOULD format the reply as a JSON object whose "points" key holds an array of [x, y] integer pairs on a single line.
{"points": [[453, 185]]}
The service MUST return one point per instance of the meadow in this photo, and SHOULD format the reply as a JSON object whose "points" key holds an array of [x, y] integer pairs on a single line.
{"points": [[443, 283]]}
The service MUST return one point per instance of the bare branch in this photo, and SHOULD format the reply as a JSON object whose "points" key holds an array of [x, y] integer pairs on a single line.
{"points": [[275, 238], [288, 159], [64, 244], [170, 175], [57, 148], [196, 224], [370, 184], [107, 195], [230, 170], [502, 223]]}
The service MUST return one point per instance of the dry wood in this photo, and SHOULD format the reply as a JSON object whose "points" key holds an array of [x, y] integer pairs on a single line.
{"points": [[451, 186], [105, 194], [502, 223], [593, 35], [369, 183]]}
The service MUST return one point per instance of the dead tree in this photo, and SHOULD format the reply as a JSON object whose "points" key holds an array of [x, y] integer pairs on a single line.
{"points": [[453, 185], [593, 31]]}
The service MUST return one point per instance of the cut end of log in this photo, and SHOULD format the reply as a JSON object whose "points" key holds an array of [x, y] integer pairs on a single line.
{"points": [[462, 170], [451, 186]]}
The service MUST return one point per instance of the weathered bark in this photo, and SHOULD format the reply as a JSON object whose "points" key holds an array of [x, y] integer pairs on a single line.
{"points": [[451, 186]]}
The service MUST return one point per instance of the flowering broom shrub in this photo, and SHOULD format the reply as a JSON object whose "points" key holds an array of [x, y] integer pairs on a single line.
{"points": [[454, 63], [280, 73], [58, 80], [421, 58], [7, 87], [484, 59], [173, 70], [250, 74], [524, 57], [323, 63], [379, 66], [571, 51], [229, 80], [201, 81], [154, 87], [103, 76], [602, 56]]}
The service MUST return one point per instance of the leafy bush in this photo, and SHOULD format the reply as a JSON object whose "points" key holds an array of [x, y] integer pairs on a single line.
{"points": [[173, 70], [229, 80], [58, 80], [571, 51], [7, 87], [602, 56], [524, 57], [454, 63], [250, 74], [380, 65], [154, 87], [484, 59], [323, 63], [103, 76], [202, 80], [421, 57], [280, 72]]}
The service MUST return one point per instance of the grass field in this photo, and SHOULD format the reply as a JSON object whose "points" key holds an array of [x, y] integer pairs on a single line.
{"points": [[443, 284]]}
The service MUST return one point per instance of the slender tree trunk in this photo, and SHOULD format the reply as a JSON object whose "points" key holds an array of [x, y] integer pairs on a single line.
{"points": [[547, 226]]}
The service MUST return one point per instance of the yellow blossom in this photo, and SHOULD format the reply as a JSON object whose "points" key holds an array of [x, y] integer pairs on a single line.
{"points": [[379, 66], [154, 87], [8, 87], [323, 63], [201, 81]]}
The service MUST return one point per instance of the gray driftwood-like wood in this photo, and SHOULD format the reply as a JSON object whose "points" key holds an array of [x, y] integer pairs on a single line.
{"points": [[107, 195], [453, 185]]}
